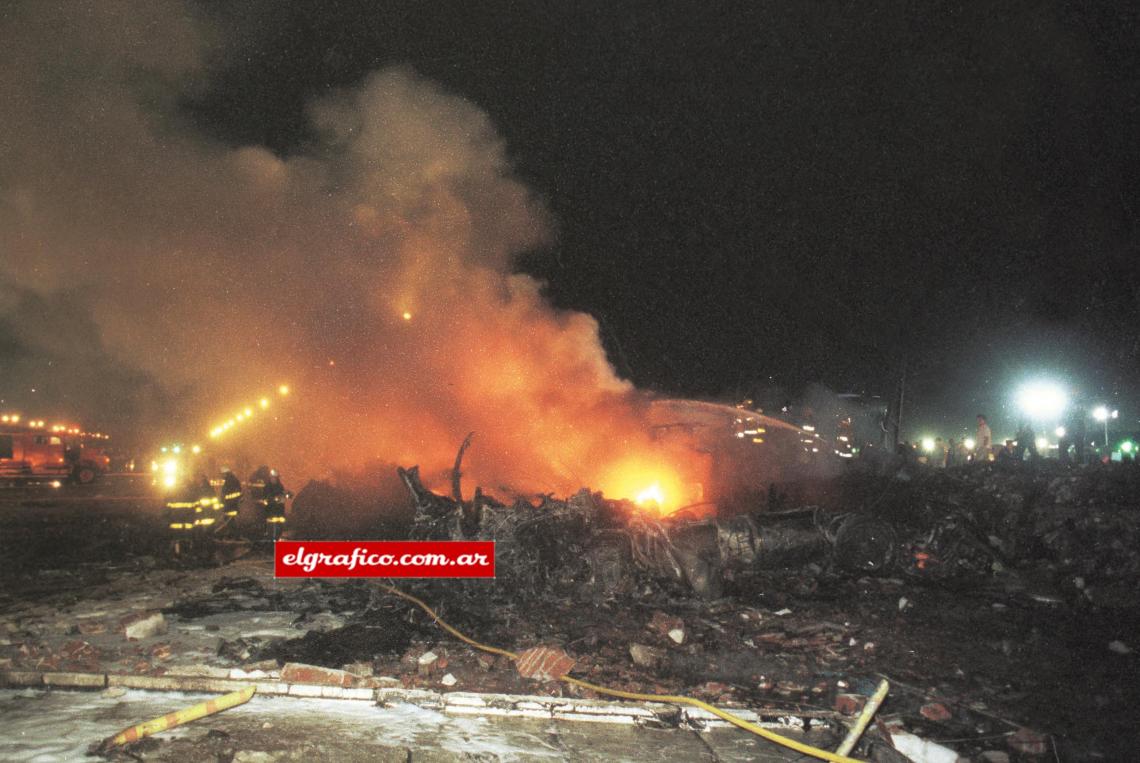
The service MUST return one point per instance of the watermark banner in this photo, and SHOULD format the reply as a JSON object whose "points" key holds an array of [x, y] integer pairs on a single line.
{"points": [[384, 559]]}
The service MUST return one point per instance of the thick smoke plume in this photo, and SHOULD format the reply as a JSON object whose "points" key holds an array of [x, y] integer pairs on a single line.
{"points": [[153, 277]]}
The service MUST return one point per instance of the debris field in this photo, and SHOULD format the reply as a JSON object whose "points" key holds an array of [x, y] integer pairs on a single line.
{"points": [[1000, 601]]}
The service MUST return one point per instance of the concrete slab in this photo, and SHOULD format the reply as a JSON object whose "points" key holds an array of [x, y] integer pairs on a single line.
{"points": [[59, 725]]}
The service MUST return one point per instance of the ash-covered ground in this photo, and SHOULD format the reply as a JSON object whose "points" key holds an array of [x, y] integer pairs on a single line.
{"points": [[1001, 601]]}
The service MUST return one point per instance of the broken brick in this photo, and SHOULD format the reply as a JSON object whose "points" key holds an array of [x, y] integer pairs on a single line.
{"points": [[47, 663], [849, 704], [544, 663], [713, 689], [78, 650], [935, 711], [297, 673]]}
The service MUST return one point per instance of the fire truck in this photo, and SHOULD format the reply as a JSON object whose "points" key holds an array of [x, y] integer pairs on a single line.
{"points": [[33, 452]]}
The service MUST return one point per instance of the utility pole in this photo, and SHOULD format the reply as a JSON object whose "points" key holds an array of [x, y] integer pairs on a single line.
{"points": [[902, 401], [893, 425]]}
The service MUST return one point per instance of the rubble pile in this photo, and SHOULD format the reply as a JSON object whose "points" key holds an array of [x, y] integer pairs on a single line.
{"points": [[995, 570], [552, 545], [1076, 528], [967, 525], [1000, 601]]}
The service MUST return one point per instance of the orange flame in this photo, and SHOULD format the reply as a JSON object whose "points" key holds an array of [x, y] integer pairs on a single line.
{"points": [[655, 484]]}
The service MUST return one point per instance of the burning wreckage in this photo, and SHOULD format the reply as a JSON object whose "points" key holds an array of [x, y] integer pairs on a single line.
{"points": [[996, 598], [1058, 546], [603, 546], [607, 545], [966, 527]]}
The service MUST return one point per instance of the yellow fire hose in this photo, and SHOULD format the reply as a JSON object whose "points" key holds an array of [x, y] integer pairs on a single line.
{"points": [[177, 718], [735, 720]]}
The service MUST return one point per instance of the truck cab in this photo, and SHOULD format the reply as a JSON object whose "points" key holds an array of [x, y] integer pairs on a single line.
{"points": [[29, 453]]}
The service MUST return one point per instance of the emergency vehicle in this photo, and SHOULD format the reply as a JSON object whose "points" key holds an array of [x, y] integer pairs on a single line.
{"points": [[34, 451]]}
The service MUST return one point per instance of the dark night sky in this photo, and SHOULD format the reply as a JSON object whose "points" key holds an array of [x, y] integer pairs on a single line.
{"points": [[773, 193], [801, 192]]}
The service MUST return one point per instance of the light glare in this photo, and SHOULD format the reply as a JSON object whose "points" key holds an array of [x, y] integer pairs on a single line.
{"points": [[1042, 400], [651, 495]]}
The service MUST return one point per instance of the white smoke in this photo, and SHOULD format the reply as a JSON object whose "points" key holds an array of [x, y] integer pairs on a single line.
{"points": [[373, 271]]}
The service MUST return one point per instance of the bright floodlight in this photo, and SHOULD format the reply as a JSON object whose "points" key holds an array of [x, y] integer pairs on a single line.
{"points": [[969, 443], [1042, 400], [1100, 413], [928, 445], [1060, 432], [1042, 443]]}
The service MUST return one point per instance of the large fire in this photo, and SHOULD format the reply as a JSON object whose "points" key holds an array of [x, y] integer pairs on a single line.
{"points": [[374, 270], [654, 484]]}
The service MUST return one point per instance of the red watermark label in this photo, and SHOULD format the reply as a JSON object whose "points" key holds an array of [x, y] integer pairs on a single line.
{"points": [[384, 559]]}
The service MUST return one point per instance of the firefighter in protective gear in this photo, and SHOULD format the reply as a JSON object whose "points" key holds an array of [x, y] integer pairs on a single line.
{"points": [[208, 504], [231, 493], [273, 496], [190, 511], [182, 509]]}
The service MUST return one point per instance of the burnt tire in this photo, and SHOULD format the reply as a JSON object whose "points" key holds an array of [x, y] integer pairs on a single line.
{"points": [[85, 475]]}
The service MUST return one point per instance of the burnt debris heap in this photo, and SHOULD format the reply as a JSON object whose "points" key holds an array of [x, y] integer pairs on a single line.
{"points": [[970, 525]]}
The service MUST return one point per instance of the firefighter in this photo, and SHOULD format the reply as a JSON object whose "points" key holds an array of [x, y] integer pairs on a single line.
{"points": [[209, 507], [273, 497], [182, 512], [231, 493]]}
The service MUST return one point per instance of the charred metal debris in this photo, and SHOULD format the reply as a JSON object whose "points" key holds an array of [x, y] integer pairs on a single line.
{"points": [[961, 527]]}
